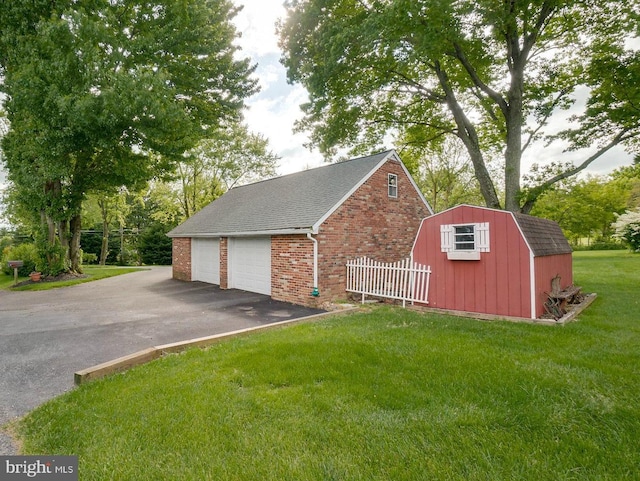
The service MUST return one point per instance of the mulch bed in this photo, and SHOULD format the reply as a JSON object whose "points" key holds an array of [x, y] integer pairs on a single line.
{"points": [[60, 277]]}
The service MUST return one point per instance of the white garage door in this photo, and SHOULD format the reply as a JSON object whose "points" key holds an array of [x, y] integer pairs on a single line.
{"points": [[205, 260], [250, 264]]}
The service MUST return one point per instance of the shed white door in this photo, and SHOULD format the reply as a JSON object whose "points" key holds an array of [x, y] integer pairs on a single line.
{"points": [[205, 260], [250, 264]]}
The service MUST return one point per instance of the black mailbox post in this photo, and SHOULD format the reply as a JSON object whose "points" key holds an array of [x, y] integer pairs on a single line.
{"points": [[15, 265]]}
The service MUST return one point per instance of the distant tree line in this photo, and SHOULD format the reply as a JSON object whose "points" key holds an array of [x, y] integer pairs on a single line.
{"points": [[587, 208]]}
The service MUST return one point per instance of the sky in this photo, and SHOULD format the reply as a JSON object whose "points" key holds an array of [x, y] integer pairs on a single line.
{"points": [[273, 111]]}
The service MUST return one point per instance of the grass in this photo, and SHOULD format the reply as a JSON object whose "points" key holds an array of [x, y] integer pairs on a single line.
{"points": [[93, 273], [386, 394]]}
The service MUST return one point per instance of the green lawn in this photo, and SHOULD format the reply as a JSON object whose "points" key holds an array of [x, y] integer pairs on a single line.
{"points": [[386, 394], [93, 273]]}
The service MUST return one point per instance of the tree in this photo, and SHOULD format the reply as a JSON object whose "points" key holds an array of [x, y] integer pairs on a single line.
{"points": [[117, 222], [155, 246], [627, 228], [491, 73], [110, 93], [629, 177], [584, 208], [443, 172], [151, 214], [4, 128], [159, 204], [110, 208], [233, 156]]}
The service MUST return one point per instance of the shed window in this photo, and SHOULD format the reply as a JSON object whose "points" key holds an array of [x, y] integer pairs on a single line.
{"points": [[392, 184], [464, 241], [464, 238]]}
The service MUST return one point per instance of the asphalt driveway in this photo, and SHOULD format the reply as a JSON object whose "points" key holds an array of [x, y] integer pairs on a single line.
{"points": [[46, 336]]}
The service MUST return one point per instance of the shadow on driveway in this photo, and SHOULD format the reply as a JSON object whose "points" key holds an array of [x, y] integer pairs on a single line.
{"points": [[46, 336]]}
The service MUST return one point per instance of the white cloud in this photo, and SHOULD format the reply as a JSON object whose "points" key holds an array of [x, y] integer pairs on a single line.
{"points": [[274, 117], [257, 24], [269, 74]]}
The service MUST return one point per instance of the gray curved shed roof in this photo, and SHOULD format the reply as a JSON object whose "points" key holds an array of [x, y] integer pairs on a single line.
{"points": [[545, 237]]}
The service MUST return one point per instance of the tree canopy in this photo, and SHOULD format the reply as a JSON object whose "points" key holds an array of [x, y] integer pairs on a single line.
{"points": [[110, 93], [493, 73], [232, 156], [584, 208], [443, 172]]}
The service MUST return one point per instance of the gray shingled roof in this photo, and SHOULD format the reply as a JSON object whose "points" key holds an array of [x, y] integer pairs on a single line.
{"points": [[544, 236], [294, 201]]}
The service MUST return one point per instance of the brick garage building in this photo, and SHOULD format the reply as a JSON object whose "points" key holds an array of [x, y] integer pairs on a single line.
{"points": [[290, 237]]}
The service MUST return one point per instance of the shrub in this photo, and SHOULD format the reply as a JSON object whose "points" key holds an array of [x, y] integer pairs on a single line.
{"points": [[23, 252], [53, 257], [600, 245], [127, 256], [5, 241], [89, 258], [627, 229]]}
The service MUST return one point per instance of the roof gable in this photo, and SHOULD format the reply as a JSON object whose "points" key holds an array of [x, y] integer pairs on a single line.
{"points": [[292, 202]]}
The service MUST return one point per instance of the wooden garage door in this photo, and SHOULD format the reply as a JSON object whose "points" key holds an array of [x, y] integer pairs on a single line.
{"points": [[250, 264], [205, 260]]}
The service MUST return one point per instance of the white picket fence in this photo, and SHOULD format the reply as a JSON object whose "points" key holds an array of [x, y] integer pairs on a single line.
{"points": [[404, 280]]}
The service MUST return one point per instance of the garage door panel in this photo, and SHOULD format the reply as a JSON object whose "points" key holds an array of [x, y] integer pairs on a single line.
{"points": [[205, 260], [250, 264]]}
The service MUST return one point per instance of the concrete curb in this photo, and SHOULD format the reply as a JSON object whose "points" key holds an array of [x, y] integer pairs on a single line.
{"points": [[141, 357]]}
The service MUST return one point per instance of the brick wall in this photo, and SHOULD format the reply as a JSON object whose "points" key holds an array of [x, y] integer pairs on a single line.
{"points": [[292, 269], [181, 258], [371, 224]]}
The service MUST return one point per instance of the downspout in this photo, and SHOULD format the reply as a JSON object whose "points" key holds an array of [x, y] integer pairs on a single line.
{"points": [[315, 292]]}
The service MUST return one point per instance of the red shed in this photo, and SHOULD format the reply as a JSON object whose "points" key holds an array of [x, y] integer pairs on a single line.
{"points": [[492, 261]]}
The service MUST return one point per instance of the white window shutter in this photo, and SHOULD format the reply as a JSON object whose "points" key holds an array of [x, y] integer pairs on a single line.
{"points": [[482, 237], [446, 238]]}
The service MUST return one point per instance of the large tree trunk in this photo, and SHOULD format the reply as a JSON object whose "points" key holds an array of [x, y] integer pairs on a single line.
{"points": [[467, 133], [513, 151], [513, 115], [75, 258], [63, 237], [104, 247], [55, 251], [49, 226]]}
